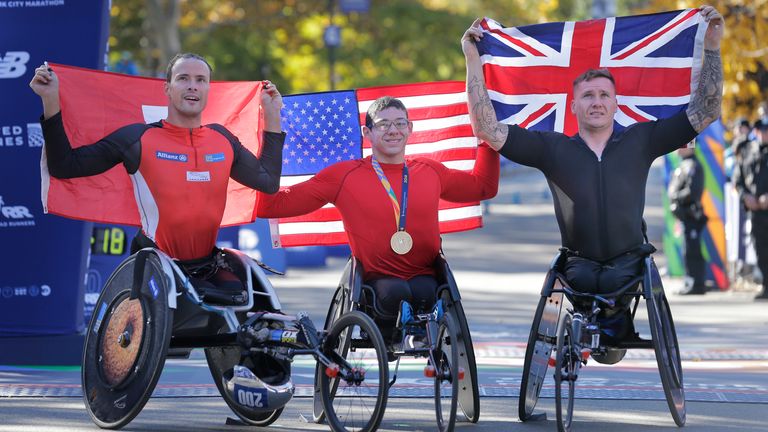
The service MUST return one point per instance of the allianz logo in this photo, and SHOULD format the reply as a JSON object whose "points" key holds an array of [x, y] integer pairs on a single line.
{"points": [[13, 64]]}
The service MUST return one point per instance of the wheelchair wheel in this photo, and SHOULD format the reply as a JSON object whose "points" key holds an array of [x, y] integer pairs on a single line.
{"points": [[354, 405], [222, 359], [469, 394], [567, 365], [447, 374], [126, 344], [667, 354], [541, 340], [338, 307]]}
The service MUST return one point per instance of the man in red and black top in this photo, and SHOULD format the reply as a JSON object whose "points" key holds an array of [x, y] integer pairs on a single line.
{"points": [[179, 168], [389, 205]]}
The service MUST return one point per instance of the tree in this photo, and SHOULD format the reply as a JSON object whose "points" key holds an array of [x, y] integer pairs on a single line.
{"points": [[744, 54]]}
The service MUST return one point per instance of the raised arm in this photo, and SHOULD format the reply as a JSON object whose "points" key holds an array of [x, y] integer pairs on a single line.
{"points": [[262, 173], [62, 160], [481, 184], [45, 84], [706, 99], [481, 113], [302, 198]]}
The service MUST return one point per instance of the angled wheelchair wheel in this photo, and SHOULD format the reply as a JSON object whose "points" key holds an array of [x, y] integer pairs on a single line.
{"points": [[667, 354], [469, 394], [447, 374], [356, 398], [220, 361], [567, 365], [541, 341], [339, 306], [126, 344]]}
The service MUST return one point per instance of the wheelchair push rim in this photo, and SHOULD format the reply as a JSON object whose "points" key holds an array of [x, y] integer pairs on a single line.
{"points": [[446, 374], [469, 394], [355, 405], [126, 344], [541, 341], [667, 352], [337, 308]]}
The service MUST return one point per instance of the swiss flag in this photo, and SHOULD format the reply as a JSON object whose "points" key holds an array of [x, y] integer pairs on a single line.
{"points": [[95, 104]]}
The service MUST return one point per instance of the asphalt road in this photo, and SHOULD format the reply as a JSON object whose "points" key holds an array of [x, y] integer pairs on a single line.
{"points": [[499, 269]]}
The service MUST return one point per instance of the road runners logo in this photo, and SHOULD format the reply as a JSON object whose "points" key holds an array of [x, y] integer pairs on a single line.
{"points": [[13, 64], [15, 216]]}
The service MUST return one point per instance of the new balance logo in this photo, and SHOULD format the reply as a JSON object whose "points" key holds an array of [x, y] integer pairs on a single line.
{"points": [[13, 64]]}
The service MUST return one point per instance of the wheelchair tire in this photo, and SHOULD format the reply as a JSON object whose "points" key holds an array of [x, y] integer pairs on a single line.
{"points": [[126, 344], [541, 341], [469, 393], [220, 360], [567, 365], [667, 354], [338, 307], [446, 355], [352, 333]]}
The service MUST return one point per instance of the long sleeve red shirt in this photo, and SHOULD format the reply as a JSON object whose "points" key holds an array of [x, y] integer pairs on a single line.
{"points": [[367, 210]]}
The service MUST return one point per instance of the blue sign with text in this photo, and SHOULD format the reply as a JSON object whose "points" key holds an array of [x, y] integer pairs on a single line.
{"points": [[43, 256]]}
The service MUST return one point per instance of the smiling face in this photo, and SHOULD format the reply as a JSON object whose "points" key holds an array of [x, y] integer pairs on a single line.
{"points": [[388, 134], [187, 91], [594, 104]]}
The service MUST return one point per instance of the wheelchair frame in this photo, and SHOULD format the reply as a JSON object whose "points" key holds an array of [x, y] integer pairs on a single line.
{"points": [[141, 314], [567, 336], [349, 296]]}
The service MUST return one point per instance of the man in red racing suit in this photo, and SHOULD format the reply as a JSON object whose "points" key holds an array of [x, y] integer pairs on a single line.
{"points": [[179, 168]]}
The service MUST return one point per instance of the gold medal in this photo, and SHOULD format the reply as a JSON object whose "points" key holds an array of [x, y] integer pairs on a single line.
{"points": [[401, 242]]}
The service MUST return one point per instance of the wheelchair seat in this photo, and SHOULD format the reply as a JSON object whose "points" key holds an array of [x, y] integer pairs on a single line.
{"points": [[353, 294]]}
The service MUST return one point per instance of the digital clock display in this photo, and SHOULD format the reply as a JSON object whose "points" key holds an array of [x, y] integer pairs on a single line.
{"points": [[108, 241]]}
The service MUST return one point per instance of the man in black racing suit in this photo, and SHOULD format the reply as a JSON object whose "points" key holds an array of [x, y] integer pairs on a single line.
{"points": [[598, 176]]}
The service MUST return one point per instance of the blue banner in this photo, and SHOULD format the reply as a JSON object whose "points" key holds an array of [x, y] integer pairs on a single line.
{"points": [[43, 256]]}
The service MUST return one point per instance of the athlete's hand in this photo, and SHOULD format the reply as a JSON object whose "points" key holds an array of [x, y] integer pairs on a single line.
{"points": [[271, 97], [715, 29], [272, 101], [45, 83], [473, 34]]}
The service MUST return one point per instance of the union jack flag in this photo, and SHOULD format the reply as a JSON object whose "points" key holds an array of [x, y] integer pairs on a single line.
{"points": [[325, 128], [529, 70]]}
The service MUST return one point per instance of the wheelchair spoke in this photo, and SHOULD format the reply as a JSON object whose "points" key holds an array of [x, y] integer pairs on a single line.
{"points": [[354, 400]]}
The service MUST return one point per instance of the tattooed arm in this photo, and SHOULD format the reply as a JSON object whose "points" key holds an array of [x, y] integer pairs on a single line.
{"points": [[704, 107], [481, 113]]}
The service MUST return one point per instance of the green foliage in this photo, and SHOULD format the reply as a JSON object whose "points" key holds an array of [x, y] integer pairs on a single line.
{"points": [[397, 41], [743, 49]]}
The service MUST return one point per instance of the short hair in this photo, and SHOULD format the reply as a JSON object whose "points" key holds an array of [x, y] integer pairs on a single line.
{"points": [[181, 56], [761, 124], [591, 74], [380, 105]]}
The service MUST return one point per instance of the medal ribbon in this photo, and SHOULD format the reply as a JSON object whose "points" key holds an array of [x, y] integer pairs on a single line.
{"points": [[398, 207]]}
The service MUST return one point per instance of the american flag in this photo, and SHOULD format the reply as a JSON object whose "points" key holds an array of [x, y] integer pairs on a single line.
{"points": [[325, 128], [530, 70]]}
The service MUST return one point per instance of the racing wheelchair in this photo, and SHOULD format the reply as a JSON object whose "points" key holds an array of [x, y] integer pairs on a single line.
{"points": [[443, 331], [153, 306], [567, 340]]}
